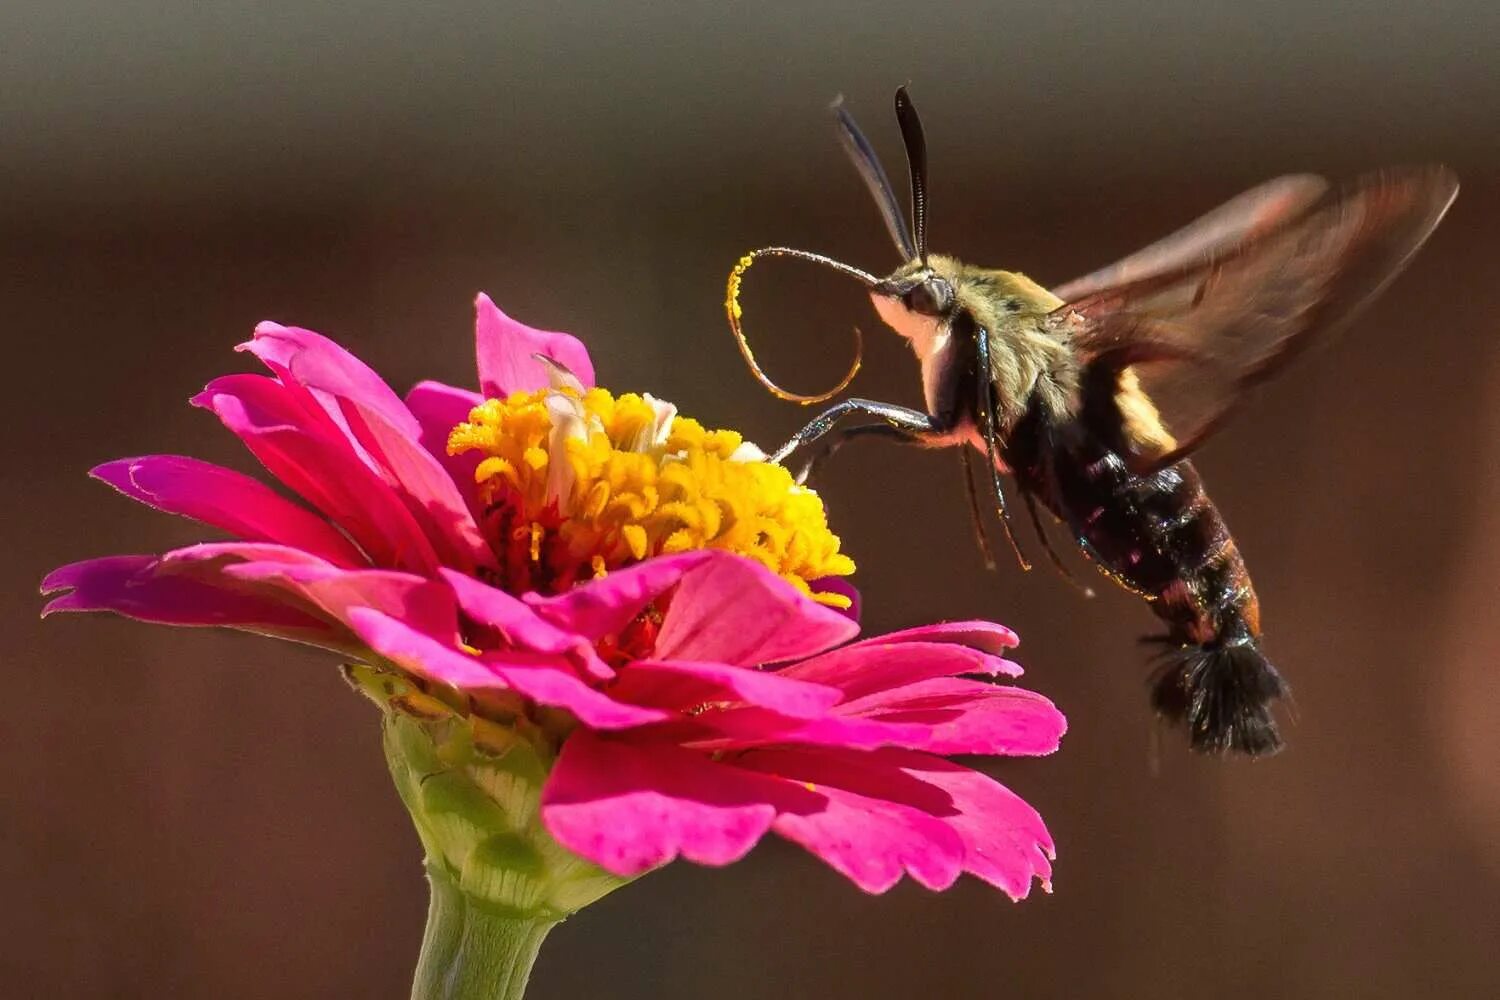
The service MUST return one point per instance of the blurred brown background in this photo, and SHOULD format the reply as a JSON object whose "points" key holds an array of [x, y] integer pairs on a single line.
{"points": [[206, 815]]}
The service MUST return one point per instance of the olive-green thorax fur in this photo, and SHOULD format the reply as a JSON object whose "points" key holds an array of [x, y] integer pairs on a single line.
{"points": [[1026, 356]]}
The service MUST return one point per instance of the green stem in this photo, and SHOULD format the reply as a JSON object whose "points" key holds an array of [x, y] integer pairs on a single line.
{"points": [[472, 951], [498, 880]]}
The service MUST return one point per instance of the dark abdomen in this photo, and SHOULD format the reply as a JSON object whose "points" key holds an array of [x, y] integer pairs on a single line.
{"points": [[1160, 536]]}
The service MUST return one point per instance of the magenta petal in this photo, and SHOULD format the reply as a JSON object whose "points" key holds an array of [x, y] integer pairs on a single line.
{"points": [[439, 408], [135, 587], [603, 607], [630, 808], [421, 654], [548, 684], [505, 350], [685, 685], [207, 552], [520, 626], [1006, 842], [549, 681], [878, 823], [308, 452], [225, 499], [873, 665], [873, 842], [967, 716], [732, 610], [430, 493], [752, 726], [316, 585], [422, 603], [328, 369], [985, 636]]}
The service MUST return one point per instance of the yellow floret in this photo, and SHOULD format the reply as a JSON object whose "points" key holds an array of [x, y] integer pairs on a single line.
{"points": [[623, 497]]}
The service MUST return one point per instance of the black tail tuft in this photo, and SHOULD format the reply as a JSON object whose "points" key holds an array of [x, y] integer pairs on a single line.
{"points": [[1223, 694]]}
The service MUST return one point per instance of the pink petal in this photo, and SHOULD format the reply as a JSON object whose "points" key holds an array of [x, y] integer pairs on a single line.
{"points": [[439, 408], [630, 807], [521, 627], [422, 603], [874, 665], [317, 586], [732, 610], [868, 834], [985, 636], [135, 587], [603, 607], [225, 499], [430, 494], [547, 681], [505, 348], [330, 371], [966, 716], [752, 726], [421, 654], [683, 685], [207, 552], [309, 453], [724, 609], [1006, 842]]}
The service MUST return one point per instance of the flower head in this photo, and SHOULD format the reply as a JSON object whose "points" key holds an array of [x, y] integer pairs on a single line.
{"points": [[623, 634], [575, 483]]}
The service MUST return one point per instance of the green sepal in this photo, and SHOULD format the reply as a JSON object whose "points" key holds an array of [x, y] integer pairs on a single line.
{"points": [[473, 788]]}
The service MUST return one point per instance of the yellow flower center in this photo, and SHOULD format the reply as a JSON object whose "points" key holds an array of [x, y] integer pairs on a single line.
{"points": [[577, 483]]}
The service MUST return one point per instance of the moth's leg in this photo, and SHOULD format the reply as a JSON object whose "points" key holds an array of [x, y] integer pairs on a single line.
{"points": [[835, 439], [913, 423], [976, 512], [984, 407], [1057, 563]]}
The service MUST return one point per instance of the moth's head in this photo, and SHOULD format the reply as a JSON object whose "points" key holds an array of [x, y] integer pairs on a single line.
{"points": [[918, 296]]}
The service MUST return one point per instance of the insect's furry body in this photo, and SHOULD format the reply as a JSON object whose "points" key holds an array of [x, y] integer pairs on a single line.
{"points": [[1026, 359], [1064, 434], [1092, 395]]}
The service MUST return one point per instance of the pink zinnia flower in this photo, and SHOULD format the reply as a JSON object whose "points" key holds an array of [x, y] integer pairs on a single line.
{"points": [[650, 606]]}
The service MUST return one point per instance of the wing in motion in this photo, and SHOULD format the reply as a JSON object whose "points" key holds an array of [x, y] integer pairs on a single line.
{"points": [[1203, 315]]}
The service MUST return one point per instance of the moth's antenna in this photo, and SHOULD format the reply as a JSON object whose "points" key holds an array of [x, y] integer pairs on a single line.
{"points": [[868, 164], [916, 165], [733, 311]]}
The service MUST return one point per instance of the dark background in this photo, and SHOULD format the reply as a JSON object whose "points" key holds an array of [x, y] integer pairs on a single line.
{"points": [[198, 814]]}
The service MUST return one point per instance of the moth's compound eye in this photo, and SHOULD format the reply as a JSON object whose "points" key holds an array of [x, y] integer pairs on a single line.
{"points": [[932, 297]]}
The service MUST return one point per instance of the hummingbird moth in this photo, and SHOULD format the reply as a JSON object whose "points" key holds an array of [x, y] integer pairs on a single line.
{"points": [[1092, 395]]}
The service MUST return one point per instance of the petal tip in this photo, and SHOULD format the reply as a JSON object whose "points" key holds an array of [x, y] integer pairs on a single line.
{"points": [[114, 473]]}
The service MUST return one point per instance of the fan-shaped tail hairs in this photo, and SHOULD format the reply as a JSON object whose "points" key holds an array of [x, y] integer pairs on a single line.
{"points": [[1223, 694]]}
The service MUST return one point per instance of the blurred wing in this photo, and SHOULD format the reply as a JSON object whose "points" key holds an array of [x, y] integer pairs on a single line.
{"points": [[1237, 220], [1196, 337]]}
